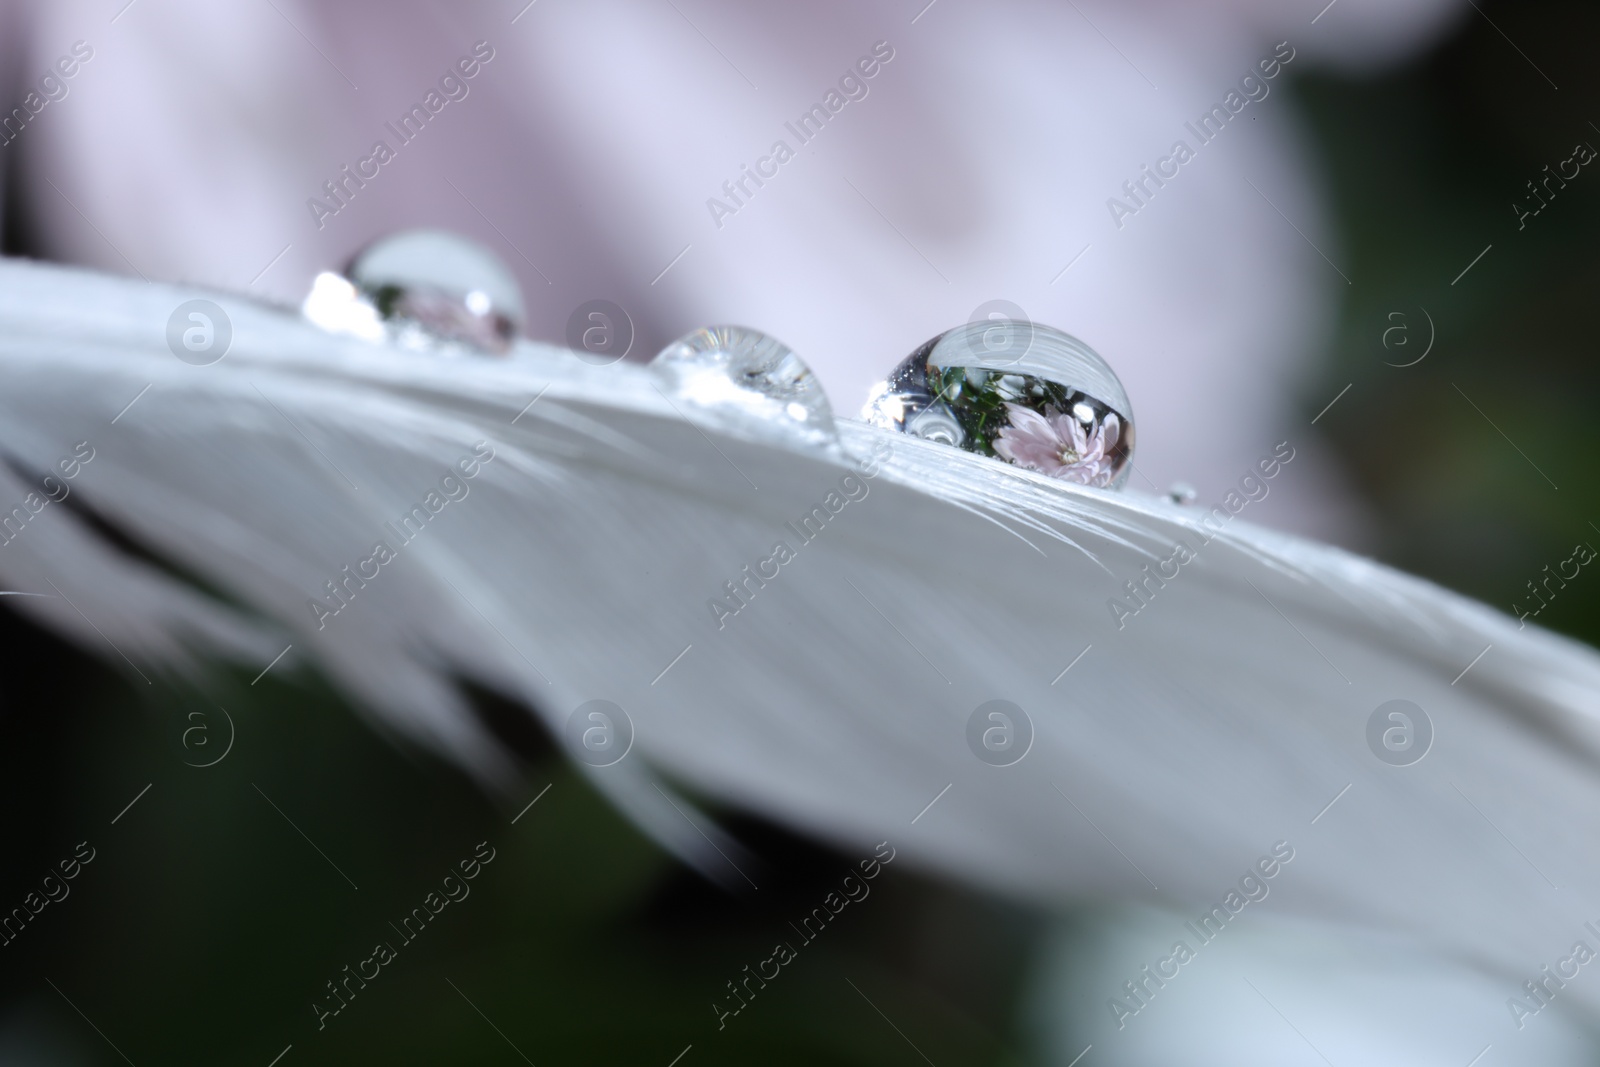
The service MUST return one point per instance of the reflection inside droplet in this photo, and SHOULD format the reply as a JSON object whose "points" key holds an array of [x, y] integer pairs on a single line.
{"points": [[439, 292], [1046, 401]]}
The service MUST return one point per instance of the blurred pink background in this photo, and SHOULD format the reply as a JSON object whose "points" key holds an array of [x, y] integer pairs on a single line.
{"points": [[978, 166]]}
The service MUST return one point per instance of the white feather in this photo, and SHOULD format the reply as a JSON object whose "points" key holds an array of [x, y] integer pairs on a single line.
{"points": [[1221, 718]]}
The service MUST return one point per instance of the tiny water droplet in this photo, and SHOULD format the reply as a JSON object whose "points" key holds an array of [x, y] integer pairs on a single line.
{"points": [[1181, 493], [440, 292], [1020, 392], [745, 370], [338, 307]]}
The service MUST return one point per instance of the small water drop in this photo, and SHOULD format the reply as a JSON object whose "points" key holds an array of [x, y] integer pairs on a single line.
{"points": [[1048, 403], [734, 367], [338, 307], [440, 292]]}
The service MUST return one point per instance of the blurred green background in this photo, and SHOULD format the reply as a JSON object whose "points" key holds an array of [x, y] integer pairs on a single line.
{"points": [[207, 924], [1424, 165]]}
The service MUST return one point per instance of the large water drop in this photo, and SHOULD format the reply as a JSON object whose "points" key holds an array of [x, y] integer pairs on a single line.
{"points": [[438, 291], [1017, 391]]}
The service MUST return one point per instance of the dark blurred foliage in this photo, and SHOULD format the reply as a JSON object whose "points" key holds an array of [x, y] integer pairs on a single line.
{"points": [[1424, 164], [207, 924]]}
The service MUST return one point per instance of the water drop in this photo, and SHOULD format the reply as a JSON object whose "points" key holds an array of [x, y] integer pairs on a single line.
{"points": [[741, 370], [440, 292], [1020, 392], [338, 307]]}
